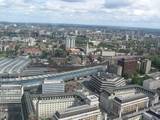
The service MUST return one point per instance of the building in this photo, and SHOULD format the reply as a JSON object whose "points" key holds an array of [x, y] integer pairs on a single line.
{"points": [[108, 53], [129, 66], [106, 81], [145, 66], [50, 86], [151, 115], [32, 51], [88, 111], [127, 37], [84, 112], [70, 42], [116, 69], [59, 61], [10, 94], [121, 101], [42, 106], [153, 82], [155, 75], [125, 104]]}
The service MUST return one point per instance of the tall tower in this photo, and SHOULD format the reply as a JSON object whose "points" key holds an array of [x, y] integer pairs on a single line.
{"points": [[70, 42], [127, 37], [87, 49]]}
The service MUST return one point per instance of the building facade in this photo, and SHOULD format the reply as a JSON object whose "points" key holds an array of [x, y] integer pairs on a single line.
{"points": [[106, 80], [70, 42], [10, 94], [126, 100], [145, 66], [42, 106], [129, 66], [88, 111], [50, 86]]}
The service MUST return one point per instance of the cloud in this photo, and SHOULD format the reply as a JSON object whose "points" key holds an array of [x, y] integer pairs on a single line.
{"points": [[85, 11], [73, 0], [114, 4]]}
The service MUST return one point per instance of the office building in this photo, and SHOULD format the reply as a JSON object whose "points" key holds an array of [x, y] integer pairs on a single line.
{"points": [[152, 83], [127, 37], [116, 69], [129, 66], [145, 66], [125, 104], [121, 101], [151, 115], [50, 86], [70, 42], [84, 112], [42, 106], [154, 75], [106, 81], [10, 94], [88, 111]]}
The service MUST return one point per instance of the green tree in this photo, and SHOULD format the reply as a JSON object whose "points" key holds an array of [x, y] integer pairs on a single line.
{"points": [[60, 53], [156, 61]]}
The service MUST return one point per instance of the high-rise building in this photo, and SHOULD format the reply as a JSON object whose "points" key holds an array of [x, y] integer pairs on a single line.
{"points": [[70, 42], [127, 37], [10, 94], [53, 86], [145, 66], [129, 66]]}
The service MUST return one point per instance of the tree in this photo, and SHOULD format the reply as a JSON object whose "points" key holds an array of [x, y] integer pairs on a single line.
{"points": [[156, 61], [136, 79], [45, 54], [60, 53]]}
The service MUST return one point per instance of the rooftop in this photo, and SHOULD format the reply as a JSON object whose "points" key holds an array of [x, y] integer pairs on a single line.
{"points": [[108, 77], [76, 110], [136, 87], [10, 86], [124, 99]]}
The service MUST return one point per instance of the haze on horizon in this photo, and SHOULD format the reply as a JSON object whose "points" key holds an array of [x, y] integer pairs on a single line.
{"points": [[131, 13]]}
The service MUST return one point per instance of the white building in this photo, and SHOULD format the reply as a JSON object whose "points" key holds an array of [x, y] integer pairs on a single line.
{"points": [[89, 111], [152, 83], [45, 105], [60, 107], [70, 42], [11, 93], [108, 53], [127, 100], [53, 86], [127, 37], [146, 66]]}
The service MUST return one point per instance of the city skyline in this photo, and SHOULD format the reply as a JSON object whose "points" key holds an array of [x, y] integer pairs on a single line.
{"points": [[131, 13]]}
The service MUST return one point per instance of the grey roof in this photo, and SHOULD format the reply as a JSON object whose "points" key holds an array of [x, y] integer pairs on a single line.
{"points": [[128, 99], [76, 110], [74, 94], [111, 91]]}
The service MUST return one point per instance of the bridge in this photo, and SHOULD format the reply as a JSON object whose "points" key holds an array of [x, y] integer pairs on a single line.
{"points": [[32, 81]]}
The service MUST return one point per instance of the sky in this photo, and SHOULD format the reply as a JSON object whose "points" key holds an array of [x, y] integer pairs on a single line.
{"points": [[131, 13]]}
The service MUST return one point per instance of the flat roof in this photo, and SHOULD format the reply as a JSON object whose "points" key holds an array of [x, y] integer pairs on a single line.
{"points": [[123, 99], [111, 91], [76, 110]]}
